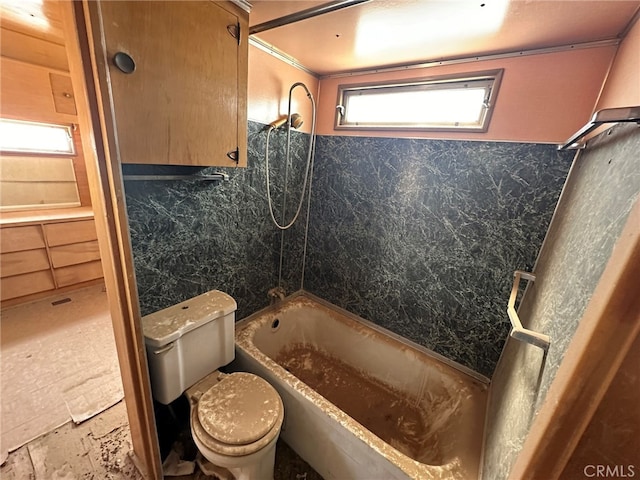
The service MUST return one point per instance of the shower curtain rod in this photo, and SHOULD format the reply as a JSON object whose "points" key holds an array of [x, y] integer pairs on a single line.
{"points": [[304, 14], [607, 115]]}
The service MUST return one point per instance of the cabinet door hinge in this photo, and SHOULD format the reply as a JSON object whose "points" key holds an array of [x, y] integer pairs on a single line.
{"points": [[234, 155], [234, 31]]}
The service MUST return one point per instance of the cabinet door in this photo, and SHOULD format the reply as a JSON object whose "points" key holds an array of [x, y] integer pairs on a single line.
{"points": [[181, 104]]}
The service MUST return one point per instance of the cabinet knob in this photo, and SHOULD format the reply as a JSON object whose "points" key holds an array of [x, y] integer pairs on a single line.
{"points": [[124, 62]]}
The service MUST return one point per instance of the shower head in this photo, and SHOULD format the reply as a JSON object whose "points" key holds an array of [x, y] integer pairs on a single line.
{"points": [[296, 121]]}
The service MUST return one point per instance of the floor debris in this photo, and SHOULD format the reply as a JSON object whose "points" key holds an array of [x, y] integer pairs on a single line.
{"points": [[212, 470], [74, 452], [174, 466]]}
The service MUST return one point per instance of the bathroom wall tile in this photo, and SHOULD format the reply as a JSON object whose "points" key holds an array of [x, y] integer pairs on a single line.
{"points": [[602, 187], [188, 238], [291, 181], [422, 236], [418, 236]]}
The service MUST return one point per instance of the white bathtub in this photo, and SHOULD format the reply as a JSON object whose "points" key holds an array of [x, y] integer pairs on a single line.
{"points": [[449, 400]]}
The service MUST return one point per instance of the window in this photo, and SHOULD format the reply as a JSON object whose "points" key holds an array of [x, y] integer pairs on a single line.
{"points": [[31, 137], [463, 103], [36, 166]]}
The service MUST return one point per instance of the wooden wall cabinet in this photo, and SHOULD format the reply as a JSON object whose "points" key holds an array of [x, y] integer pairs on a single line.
{"points": [[48, 256], [178, 80]]}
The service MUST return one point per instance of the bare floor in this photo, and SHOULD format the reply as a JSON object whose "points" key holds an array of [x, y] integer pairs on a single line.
{"points": [[58, 364], [99, 449], [62, 414], [96, 449]]}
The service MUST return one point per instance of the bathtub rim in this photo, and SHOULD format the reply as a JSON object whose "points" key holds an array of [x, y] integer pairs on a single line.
{"points": [[416, 346]]}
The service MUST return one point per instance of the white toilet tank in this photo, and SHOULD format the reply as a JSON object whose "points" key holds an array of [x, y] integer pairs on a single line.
{"points": [[188, 341]]}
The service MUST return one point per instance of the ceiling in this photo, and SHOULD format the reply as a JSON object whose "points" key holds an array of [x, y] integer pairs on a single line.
{"points": [[398, 32]]}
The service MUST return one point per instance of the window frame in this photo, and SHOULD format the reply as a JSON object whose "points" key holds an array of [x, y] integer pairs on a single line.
{"points": [[68, 128], [71, 156], [425, 83]]}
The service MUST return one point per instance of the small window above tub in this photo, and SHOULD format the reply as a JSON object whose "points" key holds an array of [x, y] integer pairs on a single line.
{"points": [[460, 103]]}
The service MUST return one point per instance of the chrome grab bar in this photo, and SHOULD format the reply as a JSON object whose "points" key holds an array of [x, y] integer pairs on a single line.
{"points": [[517, 330]]}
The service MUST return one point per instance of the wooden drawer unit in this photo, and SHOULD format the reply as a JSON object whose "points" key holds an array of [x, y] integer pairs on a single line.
{"points": [[26, 261], [82, 272], [72, 254], [26, 284], [16, 239], [48, 256], [70, 232]]}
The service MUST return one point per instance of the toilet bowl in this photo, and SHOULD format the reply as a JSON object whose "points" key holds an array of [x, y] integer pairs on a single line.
{"points": [[236, 418], [235, 423]]}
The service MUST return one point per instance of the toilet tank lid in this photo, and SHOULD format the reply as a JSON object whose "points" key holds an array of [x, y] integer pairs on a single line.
{"points": [[167, 325]]}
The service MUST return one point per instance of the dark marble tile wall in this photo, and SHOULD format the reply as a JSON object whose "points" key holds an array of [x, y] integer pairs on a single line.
{"points": [[422, 236], [602, 187], [418, 236], [293, 239], [189, 237]]}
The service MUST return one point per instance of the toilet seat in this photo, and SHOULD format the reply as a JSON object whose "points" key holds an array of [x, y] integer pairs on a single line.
{"points": [[238, 415]]}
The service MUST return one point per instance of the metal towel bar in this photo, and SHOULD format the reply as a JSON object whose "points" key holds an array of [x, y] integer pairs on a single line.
{"points": [[213, 177], [608, 115], [517, 330]]}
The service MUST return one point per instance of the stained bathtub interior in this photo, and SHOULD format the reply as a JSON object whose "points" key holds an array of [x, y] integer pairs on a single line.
{"points": [[428, 409]]}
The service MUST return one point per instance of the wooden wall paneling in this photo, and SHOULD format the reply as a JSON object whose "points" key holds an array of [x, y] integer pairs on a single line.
{"points": [[37, 168], [37, 181], [26, 284], [15, 239], [25, 93], [80, 168], [26, 261], [70, 232], [29, 49], [65, 255], [107, 195], [39, 19]]}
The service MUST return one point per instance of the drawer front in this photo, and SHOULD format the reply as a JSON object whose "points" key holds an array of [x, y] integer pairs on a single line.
{"points": [[21, 285], [78, 273], [27, 261], [70, 232], [16, 239], [74, 253]]}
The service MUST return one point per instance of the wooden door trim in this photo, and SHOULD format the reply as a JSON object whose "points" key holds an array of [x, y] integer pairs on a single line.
{"points": [[107, 195], [605, 334]]}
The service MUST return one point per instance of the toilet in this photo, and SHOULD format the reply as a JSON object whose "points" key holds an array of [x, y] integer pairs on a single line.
{"points": [[235, 418]]}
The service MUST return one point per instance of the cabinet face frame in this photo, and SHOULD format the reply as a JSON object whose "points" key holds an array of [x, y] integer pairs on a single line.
{"points": [[107, 195]]}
